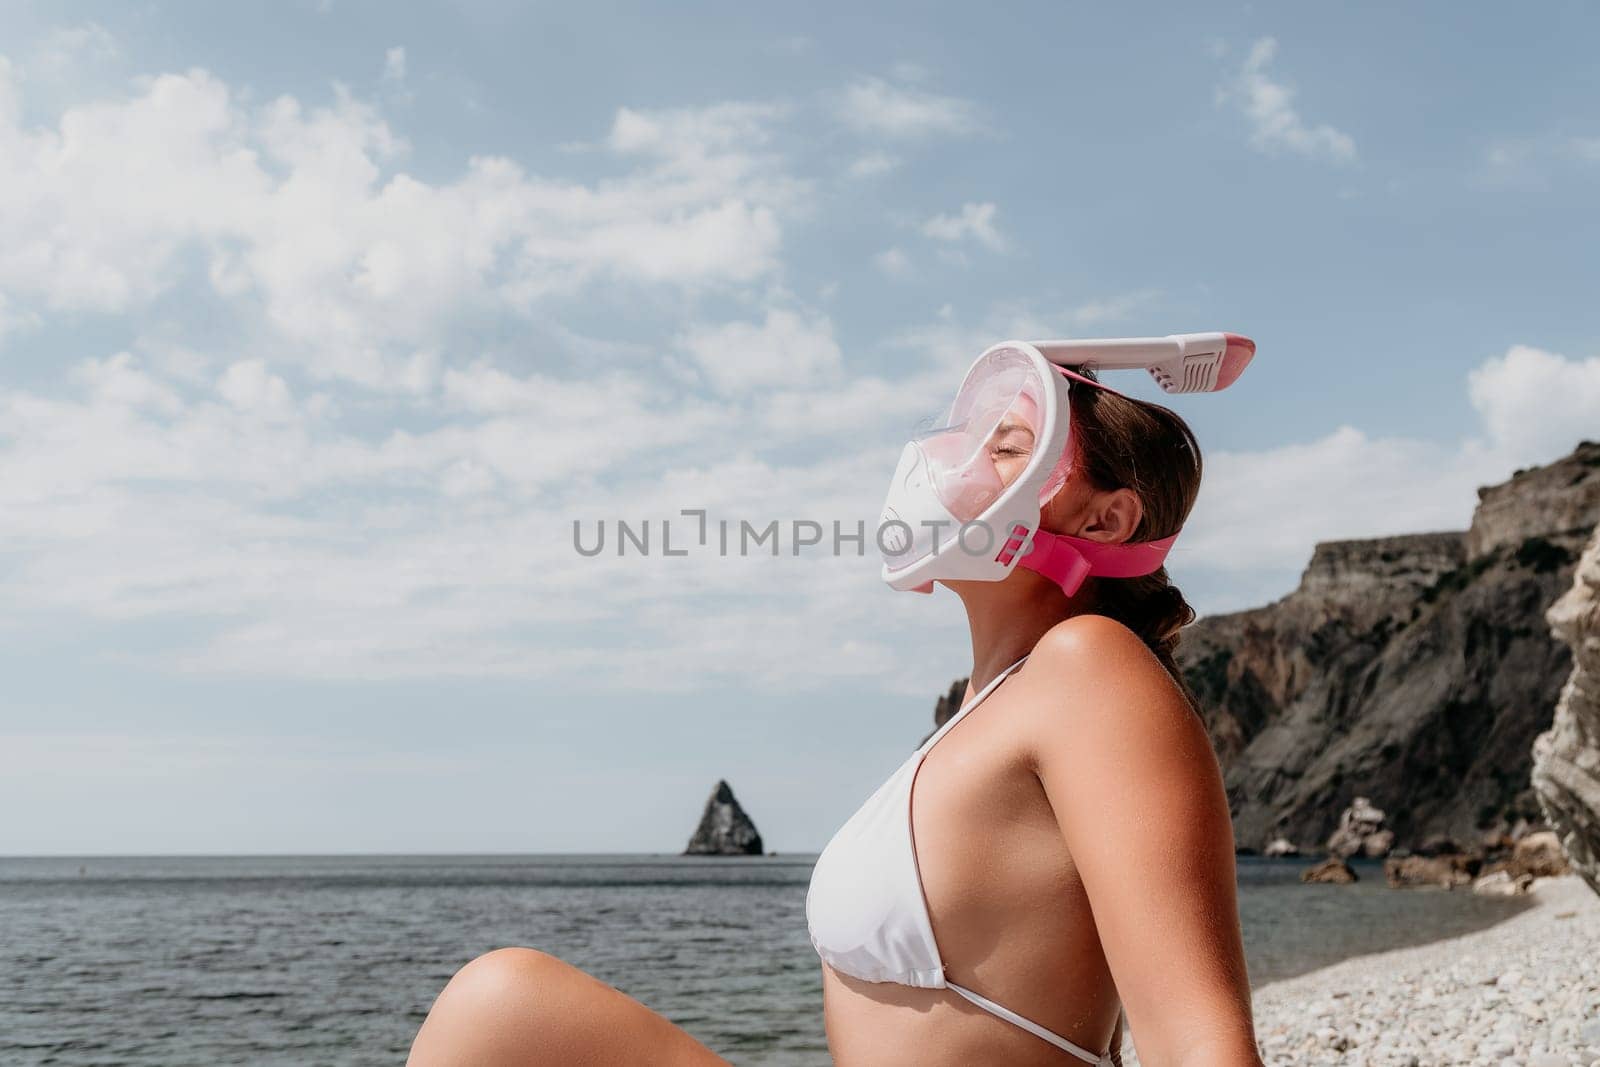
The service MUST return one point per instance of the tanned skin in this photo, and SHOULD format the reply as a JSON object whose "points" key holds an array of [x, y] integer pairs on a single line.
{"points": [[1076, 854]]}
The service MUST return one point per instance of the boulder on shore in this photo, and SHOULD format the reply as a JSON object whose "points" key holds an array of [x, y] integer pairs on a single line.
{"points": [[1536, 855], [1500, 883], [1331, 871], [1540, 855], [725, 829], [1445, 871], [1378, 845], [1360, 830]]}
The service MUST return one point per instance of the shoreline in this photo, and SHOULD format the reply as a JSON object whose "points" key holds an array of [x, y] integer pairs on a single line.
{"points": [[1524, 991]]}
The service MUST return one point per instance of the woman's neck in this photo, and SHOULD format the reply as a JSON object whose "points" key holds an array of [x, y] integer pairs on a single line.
{"points": [[1007, 618]]}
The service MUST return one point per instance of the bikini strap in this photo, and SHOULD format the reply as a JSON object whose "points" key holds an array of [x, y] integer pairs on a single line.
{"points": [[969, 705], [1028, 1024]]}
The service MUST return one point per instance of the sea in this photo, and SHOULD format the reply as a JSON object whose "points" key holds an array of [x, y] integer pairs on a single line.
{"points": [[335, 959]]}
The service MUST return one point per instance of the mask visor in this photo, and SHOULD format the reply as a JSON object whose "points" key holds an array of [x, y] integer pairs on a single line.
{"points": [[962, 467]]}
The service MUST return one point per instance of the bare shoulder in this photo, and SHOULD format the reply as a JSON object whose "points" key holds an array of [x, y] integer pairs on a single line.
{"points": [[1093, 683], [1079, 641], [1131, 776]]}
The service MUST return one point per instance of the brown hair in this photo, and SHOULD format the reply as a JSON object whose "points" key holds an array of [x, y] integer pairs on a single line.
{"points": [[1124, 442]]}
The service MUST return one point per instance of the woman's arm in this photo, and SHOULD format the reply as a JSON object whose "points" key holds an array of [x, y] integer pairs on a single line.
{"points": [[1138, 793]]}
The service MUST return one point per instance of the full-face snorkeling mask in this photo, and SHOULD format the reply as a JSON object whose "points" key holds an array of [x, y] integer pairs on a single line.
{"points": [[950, 516]]}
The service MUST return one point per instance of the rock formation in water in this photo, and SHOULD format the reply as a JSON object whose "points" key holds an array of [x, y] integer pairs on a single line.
{"points": [[1566, 762], [1413, 670], [725, 829]]}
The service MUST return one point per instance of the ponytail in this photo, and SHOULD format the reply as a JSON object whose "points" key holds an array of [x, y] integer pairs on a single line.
{"points": [[1149, 448], [1155, 609]]}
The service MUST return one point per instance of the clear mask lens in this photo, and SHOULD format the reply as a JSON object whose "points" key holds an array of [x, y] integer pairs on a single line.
{"points": [[1000, 405]]}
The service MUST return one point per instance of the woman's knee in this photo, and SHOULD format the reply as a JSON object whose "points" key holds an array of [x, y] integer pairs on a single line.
{"points": [[500, 1007], [526, 1007], [509, 974]]}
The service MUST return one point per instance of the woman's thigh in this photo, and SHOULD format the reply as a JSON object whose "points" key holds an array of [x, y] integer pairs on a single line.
{"points": [[521, 1006]]}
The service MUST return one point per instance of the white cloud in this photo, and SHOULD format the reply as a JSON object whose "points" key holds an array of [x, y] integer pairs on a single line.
{"points": [[13, 321], [130, 504], [872, 164], [1535, 404], [348, 530], [251, 388], [951, 342], [100, 207], [394, 64], [1275, 123], [67, 49], [785, 348], [357, 267], [1265, 510], [1535, 407], [693, 133], [1092, 313], [1531, 162], [117, 382], [893, 262], [1515, 164], [343, 487], [877, 108], [907, 71], [973, 222], [315, 547]]}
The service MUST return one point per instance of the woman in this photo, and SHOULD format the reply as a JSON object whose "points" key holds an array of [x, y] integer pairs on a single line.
{"points": [[1066, 854]]}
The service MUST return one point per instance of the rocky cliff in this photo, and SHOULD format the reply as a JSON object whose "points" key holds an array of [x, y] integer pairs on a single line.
{"points": [[725, 829], [1566, 763], [945, 707], [1413, 670]]}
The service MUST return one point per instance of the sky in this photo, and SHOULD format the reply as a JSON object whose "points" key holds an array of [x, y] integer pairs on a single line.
{"points": [[322, 324]]}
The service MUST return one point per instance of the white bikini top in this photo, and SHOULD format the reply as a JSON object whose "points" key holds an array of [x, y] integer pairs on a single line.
{"points": [[865, 907]]}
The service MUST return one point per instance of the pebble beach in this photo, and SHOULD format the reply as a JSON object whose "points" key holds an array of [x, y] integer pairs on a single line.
{"points": [[1522, 993]]}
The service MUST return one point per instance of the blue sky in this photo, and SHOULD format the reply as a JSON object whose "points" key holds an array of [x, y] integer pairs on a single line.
{"points": [[320, 324]]}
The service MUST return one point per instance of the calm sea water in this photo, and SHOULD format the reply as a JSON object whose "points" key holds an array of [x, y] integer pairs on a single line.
{"points": [[334, 960]]}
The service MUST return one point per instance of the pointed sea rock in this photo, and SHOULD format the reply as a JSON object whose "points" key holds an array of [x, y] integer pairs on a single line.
{"points": [[725, 829]]}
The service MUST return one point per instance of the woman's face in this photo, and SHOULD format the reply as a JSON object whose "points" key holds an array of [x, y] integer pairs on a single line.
{"points": [[1011, 444], [1010, 448], [1075, 505]]}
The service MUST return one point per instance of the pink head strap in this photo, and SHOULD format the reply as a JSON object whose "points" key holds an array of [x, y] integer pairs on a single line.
{"points": [[1068, 560]]}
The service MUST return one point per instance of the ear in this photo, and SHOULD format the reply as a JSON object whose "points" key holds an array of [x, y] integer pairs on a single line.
{"points": [[1112, 516]]}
